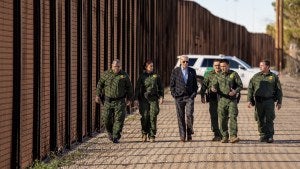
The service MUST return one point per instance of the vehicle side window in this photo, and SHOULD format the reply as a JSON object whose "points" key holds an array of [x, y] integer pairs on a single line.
{"points": [[233, 64], [192, 61], [207, 63]]}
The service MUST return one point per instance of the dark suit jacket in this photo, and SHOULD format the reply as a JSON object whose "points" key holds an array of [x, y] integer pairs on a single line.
{"points": [[177, 85]]}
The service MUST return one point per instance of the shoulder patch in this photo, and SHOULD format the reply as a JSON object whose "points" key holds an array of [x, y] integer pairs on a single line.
{"points": [[232, 76], [155, 76]]}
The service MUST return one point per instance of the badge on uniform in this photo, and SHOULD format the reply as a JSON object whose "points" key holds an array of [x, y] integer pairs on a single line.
{"points": [[231, 76], [155, 76], [271, 77]]}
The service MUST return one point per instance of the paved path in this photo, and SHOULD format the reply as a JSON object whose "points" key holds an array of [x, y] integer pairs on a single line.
{"points": [[168, 152]]}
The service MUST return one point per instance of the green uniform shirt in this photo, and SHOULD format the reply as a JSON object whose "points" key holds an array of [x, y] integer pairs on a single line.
{"points": [[115, 85], [265, 85], [208, 80], [227, 80], [150, 83]]}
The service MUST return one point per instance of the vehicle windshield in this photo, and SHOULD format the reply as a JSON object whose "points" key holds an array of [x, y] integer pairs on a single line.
{"points": [[192, 61], [246, 64]]}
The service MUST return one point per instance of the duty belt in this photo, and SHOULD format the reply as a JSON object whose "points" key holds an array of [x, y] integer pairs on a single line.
{"points": [[227, 96], [110, 99]]}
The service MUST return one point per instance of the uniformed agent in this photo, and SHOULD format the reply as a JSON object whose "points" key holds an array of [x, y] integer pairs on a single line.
{"points": [[149, 94], [263, 91], [212, 98], [228, 84], [116, 87]]}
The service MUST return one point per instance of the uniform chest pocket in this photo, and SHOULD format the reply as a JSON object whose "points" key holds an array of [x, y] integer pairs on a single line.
{"points": [[149, 82], [116, 82], [121, 81]]}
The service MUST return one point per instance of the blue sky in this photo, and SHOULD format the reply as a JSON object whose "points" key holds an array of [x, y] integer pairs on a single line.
{"points": [[253, 14]]}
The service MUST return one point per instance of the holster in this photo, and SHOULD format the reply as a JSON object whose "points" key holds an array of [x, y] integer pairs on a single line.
{"points": [[211, 96], [102, 98]]}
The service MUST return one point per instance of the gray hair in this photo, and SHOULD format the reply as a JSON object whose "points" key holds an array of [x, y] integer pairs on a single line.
{"points": [[184, 57], [116, 61]]}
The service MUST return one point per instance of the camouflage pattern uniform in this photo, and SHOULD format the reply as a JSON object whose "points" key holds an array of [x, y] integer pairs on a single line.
{"points": [[227, 106], [148, 91], [115, 87], [263, 91], [212, 98]]}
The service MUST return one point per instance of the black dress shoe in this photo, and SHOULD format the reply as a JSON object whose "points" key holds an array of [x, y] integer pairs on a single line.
{"points": [[262, 139], [216, 138], [270, 140], [116, 141], [189, 138]]}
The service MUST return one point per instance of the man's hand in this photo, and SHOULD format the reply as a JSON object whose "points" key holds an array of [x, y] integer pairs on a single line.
{"points": [[232, 92], [278, 106], [203, 100], [97, 99], [161, 100], [136, 103], [213, 89], [128, 102], [249, 105]]}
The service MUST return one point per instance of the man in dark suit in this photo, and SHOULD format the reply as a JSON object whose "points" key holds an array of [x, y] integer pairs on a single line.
{"points": [[183, 85]]}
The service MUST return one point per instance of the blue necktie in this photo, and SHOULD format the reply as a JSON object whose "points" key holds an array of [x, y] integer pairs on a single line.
{"points": [[185, 76]]}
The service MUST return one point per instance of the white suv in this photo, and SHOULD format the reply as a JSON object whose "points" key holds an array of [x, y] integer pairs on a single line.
{"points": [[204, 63]]}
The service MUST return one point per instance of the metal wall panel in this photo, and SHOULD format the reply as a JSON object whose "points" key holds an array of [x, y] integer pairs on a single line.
{"points": [[156, 35], [45, 76], [200, 32], [84, 67], [61, 76], [6, 81], [74, 70], [94, 63], [77, 42], [27, 76]]}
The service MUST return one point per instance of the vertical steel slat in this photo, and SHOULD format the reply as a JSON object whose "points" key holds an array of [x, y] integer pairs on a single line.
{"points": [[37, 81], [15, 152], [79, 70], [123, 55], [68, 73], [119, 28], [106, 35], [53, 78], [112, 30], [90, 68], [98, 43]]}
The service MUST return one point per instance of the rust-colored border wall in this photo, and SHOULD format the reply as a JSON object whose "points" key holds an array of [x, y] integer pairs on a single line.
{"points": [[45, 78], [200, 32], [73, 48], [6, 82]]}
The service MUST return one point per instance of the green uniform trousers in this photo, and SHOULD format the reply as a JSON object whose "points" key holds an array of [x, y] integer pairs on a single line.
{"points": [[213, 111], [228, 110], [149, 111], [265, 115], [114, 116]]}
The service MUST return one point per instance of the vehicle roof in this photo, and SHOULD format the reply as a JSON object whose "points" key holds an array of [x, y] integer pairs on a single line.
{"points": [[209, 56]]}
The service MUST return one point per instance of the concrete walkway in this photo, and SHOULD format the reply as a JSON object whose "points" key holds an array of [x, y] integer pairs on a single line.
{"points": [[168, 152]]}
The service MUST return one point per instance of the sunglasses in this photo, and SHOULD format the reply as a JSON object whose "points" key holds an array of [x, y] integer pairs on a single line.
{"points": [[185, 61]]}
